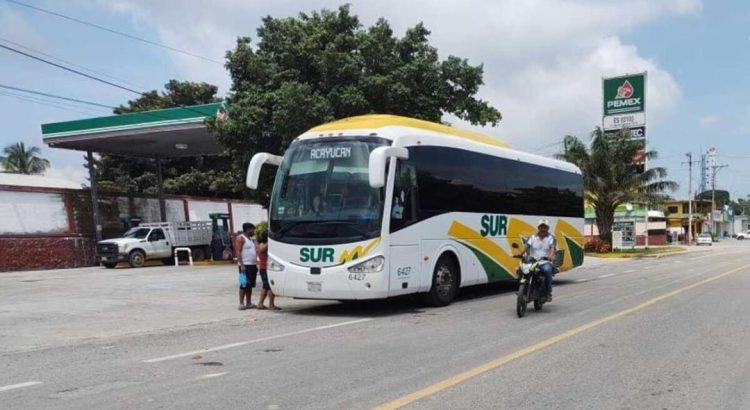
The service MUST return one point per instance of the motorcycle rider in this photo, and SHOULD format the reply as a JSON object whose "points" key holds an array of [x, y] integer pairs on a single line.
{"points": [[543, 246]]}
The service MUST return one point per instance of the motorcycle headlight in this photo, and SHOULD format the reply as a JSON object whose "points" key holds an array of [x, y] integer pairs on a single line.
{"points": [[526, 269], [371, 265], [274, 265]]}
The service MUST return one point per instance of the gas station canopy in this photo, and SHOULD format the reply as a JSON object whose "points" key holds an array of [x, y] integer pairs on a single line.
{"points": [[172, 132], [157, 134]]}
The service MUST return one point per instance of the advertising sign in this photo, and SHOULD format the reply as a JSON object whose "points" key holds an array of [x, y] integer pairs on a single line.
{"points": [[626, 94], [625, 108], [627, 230], [618, 122]]}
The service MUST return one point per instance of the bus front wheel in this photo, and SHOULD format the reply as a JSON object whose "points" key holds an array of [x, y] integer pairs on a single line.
{"points": [[444, 282]]}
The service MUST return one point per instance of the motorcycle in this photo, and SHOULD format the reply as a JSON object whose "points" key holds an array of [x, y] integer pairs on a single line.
{"points": [[531, 284]]}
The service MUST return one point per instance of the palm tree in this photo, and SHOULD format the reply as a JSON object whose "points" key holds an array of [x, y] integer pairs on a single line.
{"points": [[19, 160], [609, 177]]}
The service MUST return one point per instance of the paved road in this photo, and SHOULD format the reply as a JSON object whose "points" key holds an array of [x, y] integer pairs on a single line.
{"points": [[660, 333]]}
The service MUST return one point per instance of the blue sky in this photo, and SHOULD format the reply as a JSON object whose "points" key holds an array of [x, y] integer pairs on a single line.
{"points": [[543, 64]]}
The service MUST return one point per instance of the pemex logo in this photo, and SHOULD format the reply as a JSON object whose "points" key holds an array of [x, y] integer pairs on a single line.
{"points": [[624, 91]]}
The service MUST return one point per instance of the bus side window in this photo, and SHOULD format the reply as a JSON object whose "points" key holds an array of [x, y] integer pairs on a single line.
{"points": [[404, 206]]}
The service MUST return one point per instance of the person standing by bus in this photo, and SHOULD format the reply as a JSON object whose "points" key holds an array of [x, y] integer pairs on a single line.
{"points": [[262, 269], [246, 256]]}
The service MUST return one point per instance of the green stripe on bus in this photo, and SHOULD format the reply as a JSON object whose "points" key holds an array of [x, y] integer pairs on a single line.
{"points": [[494, 271], [576, 251]]}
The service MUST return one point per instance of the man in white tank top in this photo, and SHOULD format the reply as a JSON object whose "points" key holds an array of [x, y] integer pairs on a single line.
{"points": [[246, 256]]}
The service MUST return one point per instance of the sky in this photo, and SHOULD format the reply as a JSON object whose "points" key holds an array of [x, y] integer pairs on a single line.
{"points": [[543, 63]]}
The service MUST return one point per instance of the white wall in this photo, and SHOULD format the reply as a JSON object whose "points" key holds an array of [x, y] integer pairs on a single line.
{"points": [[147, 209], [32, 212], [252, 213], [199, 210], [175, 210]]}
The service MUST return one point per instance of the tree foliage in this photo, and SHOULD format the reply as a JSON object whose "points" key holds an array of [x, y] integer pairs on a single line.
{"points": [[18, 159], [201, 176], [721, 196], [322, 66], [608, 176], [741, 206]]}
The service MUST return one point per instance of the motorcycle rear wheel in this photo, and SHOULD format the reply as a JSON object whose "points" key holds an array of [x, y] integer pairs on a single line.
{"points": [[538, 304]]}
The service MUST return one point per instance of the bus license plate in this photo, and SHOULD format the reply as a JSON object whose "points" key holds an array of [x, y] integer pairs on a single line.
{"points": [[314, 287]]}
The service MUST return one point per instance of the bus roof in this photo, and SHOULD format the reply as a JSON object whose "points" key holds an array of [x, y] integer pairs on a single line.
{"points": [[374, 122], [394, 126]]}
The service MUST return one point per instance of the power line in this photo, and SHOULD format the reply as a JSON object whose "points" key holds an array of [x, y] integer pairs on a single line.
{"points": [[61, 103], [143, 94], [113, 31], [70, 69], [66, 62], [56, 96], [41, 102]]}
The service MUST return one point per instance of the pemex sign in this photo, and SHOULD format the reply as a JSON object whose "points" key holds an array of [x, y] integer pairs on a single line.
{"points": [[625, 94]]}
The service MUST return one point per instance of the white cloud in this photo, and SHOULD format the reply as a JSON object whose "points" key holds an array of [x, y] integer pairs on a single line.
{"points": [[543, 60], [707, 121]]}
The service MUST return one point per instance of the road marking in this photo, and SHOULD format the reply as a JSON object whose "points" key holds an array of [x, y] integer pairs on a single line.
{"points": [[609, 275], [211, 375], [247, 342], [630, 270], [713, 254], [583, 280], [494, 364], [18, 386]]}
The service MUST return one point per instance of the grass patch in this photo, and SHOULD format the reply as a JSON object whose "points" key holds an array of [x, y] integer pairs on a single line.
{"points": [[634, 253]]}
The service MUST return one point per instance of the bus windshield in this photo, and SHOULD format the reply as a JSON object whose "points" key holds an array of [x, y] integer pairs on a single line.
{"points": [[322, 193]]}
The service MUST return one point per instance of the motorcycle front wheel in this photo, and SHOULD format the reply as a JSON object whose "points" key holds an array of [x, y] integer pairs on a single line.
{"points": [[521, 301]]}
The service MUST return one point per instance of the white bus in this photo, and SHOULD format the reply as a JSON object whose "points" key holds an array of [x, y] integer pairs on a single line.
{"points": [[376, 206]]}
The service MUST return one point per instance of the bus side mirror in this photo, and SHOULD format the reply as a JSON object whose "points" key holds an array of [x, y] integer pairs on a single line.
{"points": [[253, 170], [378, 158]]}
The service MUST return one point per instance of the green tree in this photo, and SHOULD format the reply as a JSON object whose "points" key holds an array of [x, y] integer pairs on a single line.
{"points": [[722, 197], [608, 177], [201, 176], [741, 206], [322, 66], [17, 159]]}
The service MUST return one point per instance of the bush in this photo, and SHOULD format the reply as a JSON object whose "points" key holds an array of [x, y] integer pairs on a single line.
{"points": [[592, 245], [597, 245]]}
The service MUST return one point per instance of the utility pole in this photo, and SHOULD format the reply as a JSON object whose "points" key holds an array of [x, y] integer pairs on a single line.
{"points": [[714, 169], [690, 197]]}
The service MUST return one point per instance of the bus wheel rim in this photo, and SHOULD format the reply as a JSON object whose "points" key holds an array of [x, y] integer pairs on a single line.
{"points": [[444, 281]]}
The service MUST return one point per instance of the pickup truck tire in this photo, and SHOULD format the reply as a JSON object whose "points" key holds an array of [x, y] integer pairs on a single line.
{"points": [[137, 259], [109, 265]]}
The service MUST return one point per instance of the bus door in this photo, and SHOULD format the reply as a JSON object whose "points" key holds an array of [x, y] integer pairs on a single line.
{"points": [[404, 242]]}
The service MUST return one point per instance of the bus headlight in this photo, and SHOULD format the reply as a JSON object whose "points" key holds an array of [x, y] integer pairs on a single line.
{"points": [[371, 265], [274, 265]]}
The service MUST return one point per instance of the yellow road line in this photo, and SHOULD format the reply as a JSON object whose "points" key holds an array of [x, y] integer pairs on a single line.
{"points": [[462, 377]]}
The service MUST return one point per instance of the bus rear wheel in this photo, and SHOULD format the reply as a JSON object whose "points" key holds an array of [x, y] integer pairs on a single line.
{"points": [[444, 282]]}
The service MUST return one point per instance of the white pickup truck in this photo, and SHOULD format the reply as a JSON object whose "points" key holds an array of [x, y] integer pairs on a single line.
{"points": [[156, 241], [743, 235]]}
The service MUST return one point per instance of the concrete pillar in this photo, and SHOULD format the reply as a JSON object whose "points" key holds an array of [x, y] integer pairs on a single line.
{"points": [[160, 183]]}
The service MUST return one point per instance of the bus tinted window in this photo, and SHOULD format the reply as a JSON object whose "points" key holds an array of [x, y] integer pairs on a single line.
{"points": [[453, 180]]}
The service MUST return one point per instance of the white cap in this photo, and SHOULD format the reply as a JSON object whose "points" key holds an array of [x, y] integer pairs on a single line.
{"points": [[542, 222]]}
